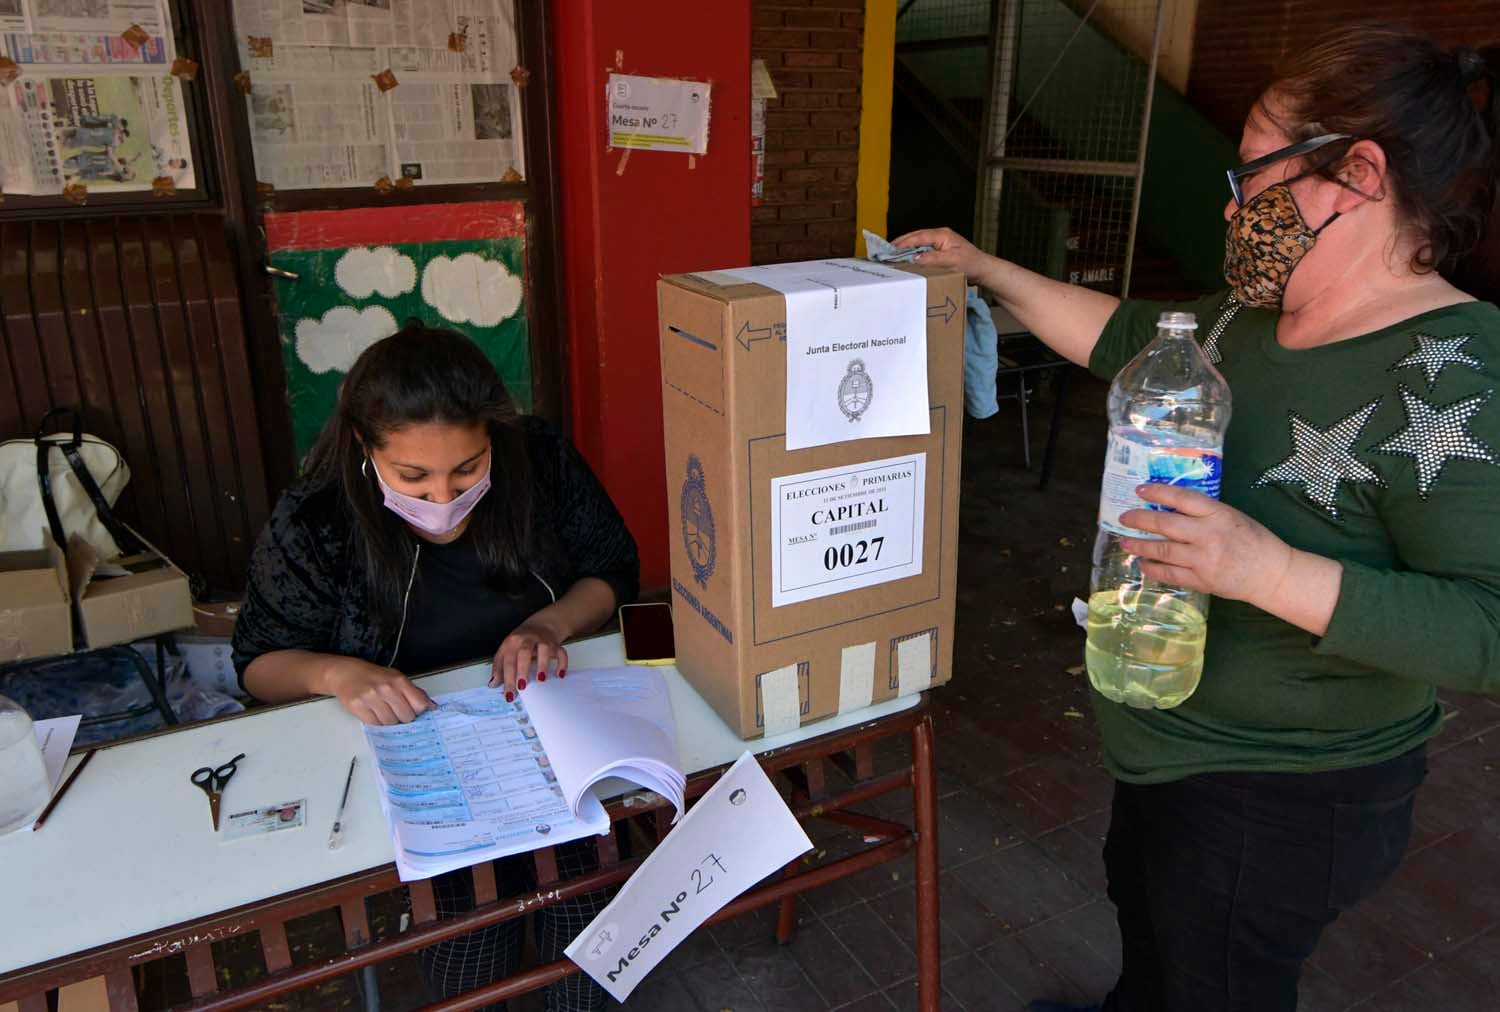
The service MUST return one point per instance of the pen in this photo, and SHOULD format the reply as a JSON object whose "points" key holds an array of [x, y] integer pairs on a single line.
{"points": [[63, 789], [336, 838]]}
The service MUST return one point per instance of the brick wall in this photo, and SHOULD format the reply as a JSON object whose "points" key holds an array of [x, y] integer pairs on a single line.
{"points": [[1237, 42], [812, 49]]}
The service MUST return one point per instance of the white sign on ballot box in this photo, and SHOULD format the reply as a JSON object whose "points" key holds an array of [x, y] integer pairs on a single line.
{"points": [[856, 349], [737, 834], [846, 527]]}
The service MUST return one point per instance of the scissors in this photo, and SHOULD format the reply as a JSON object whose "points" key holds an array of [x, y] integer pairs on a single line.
{"points": [[213, 781]]}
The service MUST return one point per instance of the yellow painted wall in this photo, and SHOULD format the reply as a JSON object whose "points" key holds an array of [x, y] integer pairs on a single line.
{"points": [[872, 193]]}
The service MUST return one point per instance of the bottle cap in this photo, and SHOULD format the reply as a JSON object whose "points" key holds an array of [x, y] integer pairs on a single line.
{"points": [[1178, 321]]}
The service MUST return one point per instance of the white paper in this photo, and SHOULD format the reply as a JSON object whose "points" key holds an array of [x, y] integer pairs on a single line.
{"points": [[55, 738], [845, 528], [94, 15], [479, 778], [109, 132], [737, 834], [77, 34], [317, 120], [657, 113], [762, 84], [609, 722], [856, 349]]}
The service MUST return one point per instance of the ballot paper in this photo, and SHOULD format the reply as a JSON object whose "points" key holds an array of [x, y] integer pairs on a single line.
{"points": [[856, 349], [478, 778], [55, 738]]}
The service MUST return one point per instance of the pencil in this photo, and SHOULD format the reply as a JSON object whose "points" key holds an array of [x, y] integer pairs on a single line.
{"points": [[62, 790]]}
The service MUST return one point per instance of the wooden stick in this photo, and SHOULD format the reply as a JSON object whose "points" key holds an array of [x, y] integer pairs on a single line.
{"points": [[63, 789]]}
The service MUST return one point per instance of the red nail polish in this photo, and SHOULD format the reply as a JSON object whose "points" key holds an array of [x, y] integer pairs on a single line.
{"points": [[520, 683], [541, 676], [510, 697], [563, 673]]}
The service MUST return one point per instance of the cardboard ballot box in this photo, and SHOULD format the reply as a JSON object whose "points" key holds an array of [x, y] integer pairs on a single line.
{"points": [[812, 581]]}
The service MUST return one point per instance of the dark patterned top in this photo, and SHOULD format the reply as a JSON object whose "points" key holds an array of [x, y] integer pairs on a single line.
{"points": [[307, 588]]}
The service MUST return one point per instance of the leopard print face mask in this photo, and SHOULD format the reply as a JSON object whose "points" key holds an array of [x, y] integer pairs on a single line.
{"points": [[1267, 238]]}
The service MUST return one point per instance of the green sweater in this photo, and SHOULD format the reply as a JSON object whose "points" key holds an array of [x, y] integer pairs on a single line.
{"points": [[1383, 452]]}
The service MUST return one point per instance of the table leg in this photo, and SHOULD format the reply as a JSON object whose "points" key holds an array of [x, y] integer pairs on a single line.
{"points": [[369, 988], [154, 685], [924, 799], [1025, 420], [1049, 455], [786, 920], [119, 987]]}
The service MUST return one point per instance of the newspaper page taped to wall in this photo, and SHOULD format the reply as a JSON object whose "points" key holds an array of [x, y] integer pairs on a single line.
{"points": [[318, 117], [94, 102]]}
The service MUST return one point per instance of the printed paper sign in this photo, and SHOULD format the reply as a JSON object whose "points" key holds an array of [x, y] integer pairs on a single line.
{"points": [[856, 349], [657, 114], [737, 834], [844, 528]]}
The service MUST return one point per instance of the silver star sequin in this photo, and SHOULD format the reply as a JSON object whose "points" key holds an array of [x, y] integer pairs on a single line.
{"points": [[1323, 459], [1434, 354], [1433, 436]]}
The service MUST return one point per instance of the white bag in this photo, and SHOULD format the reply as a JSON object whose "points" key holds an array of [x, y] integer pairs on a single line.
{"points": [[80, 476]]}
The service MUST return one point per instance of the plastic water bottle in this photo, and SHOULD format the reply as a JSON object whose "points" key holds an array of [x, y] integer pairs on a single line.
{"points": [[1168, 412], [24, 787]]}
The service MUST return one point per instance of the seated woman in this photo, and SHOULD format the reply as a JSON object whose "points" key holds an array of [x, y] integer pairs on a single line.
{"points": [[435, 526]]}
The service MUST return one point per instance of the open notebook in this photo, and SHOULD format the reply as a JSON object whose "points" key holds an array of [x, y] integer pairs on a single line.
{"points": [[479, 778]]}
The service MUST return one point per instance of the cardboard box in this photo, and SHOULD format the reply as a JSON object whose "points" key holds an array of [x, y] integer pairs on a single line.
{"points": [[216, 618], [127, 599], [724, 378], [35, 617]]}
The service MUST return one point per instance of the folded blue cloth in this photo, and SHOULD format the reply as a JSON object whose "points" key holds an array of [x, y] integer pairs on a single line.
{"points": [[981, 359], [981, 342]]}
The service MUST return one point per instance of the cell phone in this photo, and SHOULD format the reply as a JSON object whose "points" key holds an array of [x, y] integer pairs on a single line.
{"points": [[647, 629]]}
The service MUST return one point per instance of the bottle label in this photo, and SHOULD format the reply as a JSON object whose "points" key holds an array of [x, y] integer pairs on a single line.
{"points": [[1128, 464]]}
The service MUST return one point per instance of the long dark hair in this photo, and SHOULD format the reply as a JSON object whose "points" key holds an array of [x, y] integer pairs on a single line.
{"points": [[1433, 113], [425, 374]]}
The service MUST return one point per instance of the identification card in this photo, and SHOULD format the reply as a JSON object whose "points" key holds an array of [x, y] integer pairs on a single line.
{"points": [[271, 819]]}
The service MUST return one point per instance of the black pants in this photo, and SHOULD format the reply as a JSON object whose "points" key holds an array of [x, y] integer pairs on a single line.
{"points": [[1224, 882], [482, 957]]}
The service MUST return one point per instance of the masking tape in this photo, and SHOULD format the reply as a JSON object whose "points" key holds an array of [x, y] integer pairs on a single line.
{"points": [[857, 677], [914, 664], [780, 701]]}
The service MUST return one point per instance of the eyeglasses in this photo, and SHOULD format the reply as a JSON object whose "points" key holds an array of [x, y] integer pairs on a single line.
{"points": [[1238, 175]]}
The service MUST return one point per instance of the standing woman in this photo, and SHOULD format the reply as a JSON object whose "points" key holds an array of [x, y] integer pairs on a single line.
{"points": [[1353, 555], [435, 526]]}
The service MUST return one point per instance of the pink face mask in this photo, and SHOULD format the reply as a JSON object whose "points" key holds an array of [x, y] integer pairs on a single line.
{"points": [[432, 517]]}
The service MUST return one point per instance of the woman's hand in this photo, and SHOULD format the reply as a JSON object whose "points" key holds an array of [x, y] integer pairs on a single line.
{"points": [[949, 249], [374, 694], [538, 640], [1209, 547]]}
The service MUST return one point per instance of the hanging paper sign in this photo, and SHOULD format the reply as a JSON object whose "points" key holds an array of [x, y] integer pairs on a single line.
{"points": [[658, 114]]}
